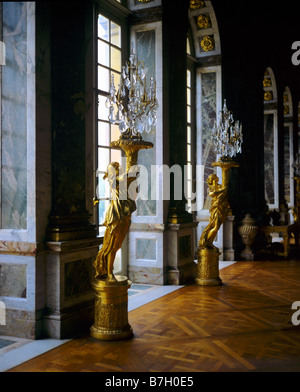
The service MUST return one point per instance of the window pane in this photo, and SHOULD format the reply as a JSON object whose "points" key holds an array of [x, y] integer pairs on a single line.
{"points": [[103, 187], [103, 134], [103, 111], [116, 59], [103, 53], [103, 159], [103, 79], [189, 114], [116, 156], [102, 208], [189, 79], [115, 133], [189, 135], [115, 34], [188, 46], [103, 28], [188, 97]]}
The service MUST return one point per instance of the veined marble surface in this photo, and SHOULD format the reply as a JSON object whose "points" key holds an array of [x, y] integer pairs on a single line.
{"points": [[14, 116]]}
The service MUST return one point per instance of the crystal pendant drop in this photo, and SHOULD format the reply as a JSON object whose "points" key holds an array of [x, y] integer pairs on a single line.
{"points": [[111, 116]]}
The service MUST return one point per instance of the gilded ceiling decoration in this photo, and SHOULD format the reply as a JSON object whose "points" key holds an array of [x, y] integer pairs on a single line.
{"points": [[268, 96], [207, 43], [196, 4], [203, 22], [267, 82]]}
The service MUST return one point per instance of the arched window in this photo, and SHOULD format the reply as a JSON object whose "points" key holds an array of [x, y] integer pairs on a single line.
{"points": [[288, 147], [190, 127], [271, 140], [208, 101]]}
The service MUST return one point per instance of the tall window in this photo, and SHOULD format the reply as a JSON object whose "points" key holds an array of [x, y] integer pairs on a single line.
{"points": [[109, 62], [190, 130], [288, 147], [189, 141], [271, 140]]}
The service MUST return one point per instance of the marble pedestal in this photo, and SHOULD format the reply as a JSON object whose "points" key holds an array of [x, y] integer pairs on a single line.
{"points": [[69, 296], [182, 268]]}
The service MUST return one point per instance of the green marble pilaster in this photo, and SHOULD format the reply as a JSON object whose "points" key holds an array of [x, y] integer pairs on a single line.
{"points": [[69, 219], [175, 97]]}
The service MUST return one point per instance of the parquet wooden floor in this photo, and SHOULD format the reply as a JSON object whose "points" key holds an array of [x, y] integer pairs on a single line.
{"points": [[243, 326]]}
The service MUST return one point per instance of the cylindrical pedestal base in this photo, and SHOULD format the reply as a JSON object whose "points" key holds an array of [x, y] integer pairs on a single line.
{"points": [[208, 268], [111, 310]]}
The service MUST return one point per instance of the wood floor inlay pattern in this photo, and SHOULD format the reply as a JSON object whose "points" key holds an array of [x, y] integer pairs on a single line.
{"points": [[243, 326]]}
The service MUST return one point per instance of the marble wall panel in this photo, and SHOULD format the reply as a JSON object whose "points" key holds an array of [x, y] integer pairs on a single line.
{"points": [[13, 281], [146, 51], [14, 117], [78, 275], [287, 165], [269, 159], [146, 249], [18, 282], [209, 115]]}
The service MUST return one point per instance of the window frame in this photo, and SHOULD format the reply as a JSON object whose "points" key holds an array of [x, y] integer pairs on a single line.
{"points": [[117, 13]]}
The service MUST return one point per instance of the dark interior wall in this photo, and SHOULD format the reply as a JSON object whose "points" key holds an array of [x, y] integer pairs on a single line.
{"points": [[254, 37]]}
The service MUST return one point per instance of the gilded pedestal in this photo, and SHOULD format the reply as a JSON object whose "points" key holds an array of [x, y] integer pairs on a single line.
{"points": [[111, 309], [208, 272]]}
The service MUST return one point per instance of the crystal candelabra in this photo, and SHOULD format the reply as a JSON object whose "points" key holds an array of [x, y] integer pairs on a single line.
{"points": [[227, 135], [133, 106]]}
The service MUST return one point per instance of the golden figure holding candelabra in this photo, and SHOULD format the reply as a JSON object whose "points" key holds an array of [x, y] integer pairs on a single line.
{"points": [[134, 113], [218, 212], [117, 220], [228, 142]]}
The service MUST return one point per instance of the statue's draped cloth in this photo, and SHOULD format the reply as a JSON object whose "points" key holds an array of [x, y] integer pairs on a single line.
{"points": [[118, 216]]}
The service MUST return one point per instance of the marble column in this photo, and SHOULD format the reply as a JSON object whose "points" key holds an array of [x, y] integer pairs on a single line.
{"points": [[228, 234], [175, 93], [181, 266], [72, 242], [69, 219]]}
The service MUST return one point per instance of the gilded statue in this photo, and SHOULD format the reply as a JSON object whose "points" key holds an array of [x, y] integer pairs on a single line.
{"points": [[218, 211], [117, 218]]}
